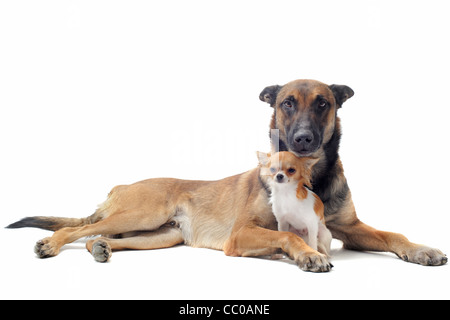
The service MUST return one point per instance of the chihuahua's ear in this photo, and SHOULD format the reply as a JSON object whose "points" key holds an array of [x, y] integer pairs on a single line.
{"points": [[310, 162], [263, 158], [269, 94], [341, 93]]}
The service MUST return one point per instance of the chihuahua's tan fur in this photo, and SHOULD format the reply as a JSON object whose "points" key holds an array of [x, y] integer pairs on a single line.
{"points": [[296, 208]]}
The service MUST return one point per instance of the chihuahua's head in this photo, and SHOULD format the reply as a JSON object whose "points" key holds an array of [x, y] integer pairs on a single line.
{"points": [[285, 167]]}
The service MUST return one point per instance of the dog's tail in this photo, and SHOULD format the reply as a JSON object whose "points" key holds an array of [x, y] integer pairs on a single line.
{"points": [[55, 223]]}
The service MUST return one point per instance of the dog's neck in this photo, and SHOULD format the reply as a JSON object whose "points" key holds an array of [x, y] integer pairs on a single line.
{"points": [[330, 150]]}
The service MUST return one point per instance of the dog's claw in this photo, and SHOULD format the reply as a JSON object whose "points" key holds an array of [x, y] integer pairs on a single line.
{"points": [[45, 248], [314, 262], [101, 251], [425, 256]]}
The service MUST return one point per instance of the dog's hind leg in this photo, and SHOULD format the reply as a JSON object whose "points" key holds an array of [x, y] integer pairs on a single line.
{"points": [[165, 237], [114, 224]]}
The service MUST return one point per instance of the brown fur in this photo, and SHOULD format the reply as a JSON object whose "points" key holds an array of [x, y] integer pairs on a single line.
{"points": [[301, 192], [319, 208]]}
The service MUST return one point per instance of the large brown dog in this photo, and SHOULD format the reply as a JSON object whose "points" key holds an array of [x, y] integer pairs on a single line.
{"points": [[233, 214], [305, 114]]}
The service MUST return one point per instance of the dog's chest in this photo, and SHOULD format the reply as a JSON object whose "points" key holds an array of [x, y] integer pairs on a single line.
{"points": [[287, 207]]}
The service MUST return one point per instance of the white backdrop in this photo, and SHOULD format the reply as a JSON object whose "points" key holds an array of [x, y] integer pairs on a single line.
{"points": [[99, 93]]}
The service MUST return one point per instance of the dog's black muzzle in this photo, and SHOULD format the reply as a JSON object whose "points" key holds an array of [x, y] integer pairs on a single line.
{"points": [[304, 141]]}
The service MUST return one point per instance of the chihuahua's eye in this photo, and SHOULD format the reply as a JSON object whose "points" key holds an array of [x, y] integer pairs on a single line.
{"points": [[273, 170], [291, 170], [287, 104]]}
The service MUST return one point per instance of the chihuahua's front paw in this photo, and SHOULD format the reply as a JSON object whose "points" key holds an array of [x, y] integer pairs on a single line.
{"points": [[314, 262]]}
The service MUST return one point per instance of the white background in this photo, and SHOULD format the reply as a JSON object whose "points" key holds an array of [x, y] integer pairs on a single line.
{"points": [[99, 93]]}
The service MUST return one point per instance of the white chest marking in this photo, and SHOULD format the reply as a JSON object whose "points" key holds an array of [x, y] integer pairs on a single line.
{"points": [[294, 214]]}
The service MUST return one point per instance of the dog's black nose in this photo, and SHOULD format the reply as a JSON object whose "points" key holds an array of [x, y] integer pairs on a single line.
{"points": [[280, 177], [304, 137]]}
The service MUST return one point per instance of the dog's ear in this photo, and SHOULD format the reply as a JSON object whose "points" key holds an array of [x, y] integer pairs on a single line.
{"points": [[269, 94], [341, 93], [263, 158]]}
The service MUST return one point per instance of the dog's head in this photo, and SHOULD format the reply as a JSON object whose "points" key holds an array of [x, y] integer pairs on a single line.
{"points": [[305, 113]]}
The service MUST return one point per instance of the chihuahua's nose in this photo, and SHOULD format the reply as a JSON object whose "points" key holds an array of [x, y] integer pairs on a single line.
{"points": [[280, 177]]}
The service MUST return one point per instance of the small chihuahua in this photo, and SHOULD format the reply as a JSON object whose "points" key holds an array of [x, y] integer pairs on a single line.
{"points": [[296, 208]]}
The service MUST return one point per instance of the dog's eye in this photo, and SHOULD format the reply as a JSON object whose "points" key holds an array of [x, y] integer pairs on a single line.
{"points": [[291, 170], [273, 170], [323, 104], [287, 104]]}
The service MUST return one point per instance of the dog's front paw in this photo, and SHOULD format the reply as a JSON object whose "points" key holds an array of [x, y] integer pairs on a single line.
{"points": [[46, 248], [423, 255], [314, 262]]}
